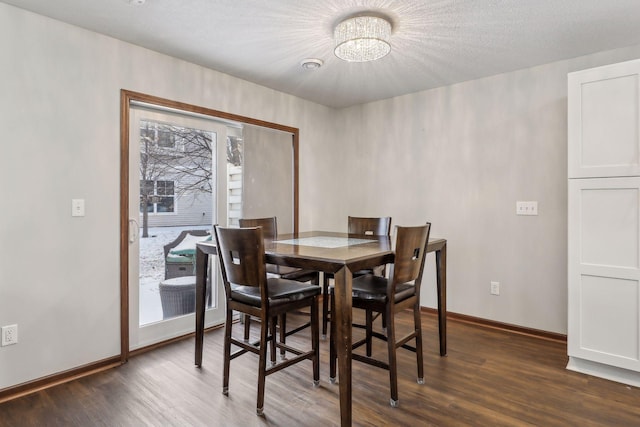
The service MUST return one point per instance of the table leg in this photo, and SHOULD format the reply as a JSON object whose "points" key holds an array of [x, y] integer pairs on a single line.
{"points": [[202, 261], [343, 317], [441, 278]]}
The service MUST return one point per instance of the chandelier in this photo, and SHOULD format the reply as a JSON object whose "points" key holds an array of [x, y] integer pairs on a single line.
{"points": [[362, 38]]}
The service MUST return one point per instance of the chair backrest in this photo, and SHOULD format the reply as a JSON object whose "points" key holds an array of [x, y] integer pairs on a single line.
{"points": [[369, 226], [269, 226], [411, 249], [241, 254]]}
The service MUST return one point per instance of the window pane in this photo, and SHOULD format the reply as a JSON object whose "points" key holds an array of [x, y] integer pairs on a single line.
{"points": [[147, 133], [165, 204], [165, 188], [166, 138]]}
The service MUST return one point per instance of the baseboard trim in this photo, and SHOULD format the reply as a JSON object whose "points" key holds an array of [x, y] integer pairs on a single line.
{"points": [[29, 387], [596, 369], [486, 323], [151, 347]]}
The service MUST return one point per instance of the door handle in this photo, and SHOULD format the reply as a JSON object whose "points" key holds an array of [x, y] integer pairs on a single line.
{"points": [[134, 230]]}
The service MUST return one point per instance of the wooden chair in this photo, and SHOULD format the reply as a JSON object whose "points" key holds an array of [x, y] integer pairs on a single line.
{"points": [[270, 232], [359, 226], [249, 291], [390, 296]]}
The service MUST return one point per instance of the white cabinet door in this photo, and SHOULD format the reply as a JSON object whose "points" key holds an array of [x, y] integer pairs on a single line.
{"points": [[604, 271], [604, 120]]}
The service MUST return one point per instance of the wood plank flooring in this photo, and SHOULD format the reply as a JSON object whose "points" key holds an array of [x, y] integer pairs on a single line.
{"points": [[489, 378]]}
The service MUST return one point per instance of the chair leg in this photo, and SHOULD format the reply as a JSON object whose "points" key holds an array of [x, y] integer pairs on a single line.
{"points": [[262, 364], [273, 322], [369, 330], [325, 304], [419, 356], [315, 341], [227, 352], [283, 335], [247, 327], [332, 349], [393, 365]]}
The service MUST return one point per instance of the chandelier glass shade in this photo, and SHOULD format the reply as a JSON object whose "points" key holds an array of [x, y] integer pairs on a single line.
{"points": [[362, 38]]}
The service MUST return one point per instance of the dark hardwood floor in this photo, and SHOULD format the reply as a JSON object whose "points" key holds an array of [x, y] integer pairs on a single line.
{"points": [[489, 378]]}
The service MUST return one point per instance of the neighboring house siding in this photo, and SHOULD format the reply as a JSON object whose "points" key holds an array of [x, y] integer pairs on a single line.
{"points": [[190, 210], [234, 198], [198, 210]]}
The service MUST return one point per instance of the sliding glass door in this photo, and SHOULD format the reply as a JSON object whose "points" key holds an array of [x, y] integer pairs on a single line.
{"points": [[180, 176]]}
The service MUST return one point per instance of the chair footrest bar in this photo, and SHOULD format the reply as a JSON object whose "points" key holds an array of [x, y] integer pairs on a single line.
{"points": [[370, 361], [298, 329], [289, 362], [408, 347], [297, 351], [401, 342], [358, 343]]}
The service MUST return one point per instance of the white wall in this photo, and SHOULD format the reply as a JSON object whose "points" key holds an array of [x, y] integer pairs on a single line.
{"points": [[458, 156], [60, 105]]}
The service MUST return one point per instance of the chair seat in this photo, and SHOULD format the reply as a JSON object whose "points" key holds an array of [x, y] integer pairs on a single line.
{"points": [[292, 273], [374, 288], [281, 291]]}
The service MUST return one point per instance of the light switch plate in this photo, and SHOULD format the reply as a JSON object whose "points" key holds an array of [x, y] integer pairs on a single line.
{"points": [[527, 208]]}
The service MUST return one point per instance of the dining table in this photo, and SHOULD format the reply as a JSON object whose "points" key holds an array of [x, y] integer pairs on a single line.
{"points": [[329, 252]]}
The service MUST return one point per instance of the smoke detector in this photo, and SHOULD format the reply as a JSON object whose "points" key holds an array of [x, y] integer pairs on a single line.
{"points": [[311, 63]]}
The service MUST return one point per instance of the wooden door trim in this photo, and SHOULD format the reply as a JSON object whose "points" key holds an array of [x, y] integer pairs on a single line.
{"points": [[126, 98]]}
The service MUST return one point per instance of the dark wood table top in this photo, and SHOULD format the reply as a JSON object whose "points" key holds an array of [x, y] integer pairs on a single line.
{"points": [[357, 255], [355, 251]]}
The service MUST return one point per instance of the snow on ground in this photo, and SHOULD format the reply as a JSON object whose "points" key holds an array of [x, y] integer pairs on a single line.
{"points": [[152, 268]]}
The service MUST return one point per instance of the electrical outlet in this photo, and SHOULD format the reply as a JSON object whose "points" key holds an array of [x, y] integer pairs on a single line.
{"points": [[495, 288], [9, 335]]}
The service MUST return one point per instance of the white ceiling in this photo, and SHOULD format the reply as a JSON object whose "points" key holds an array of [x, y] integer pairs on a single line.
{"points": [[434, 42]]}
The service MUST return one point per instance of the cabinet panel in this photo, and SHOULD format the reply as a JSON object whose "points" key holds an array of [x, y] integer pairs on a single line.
{"points": [[604, 121], [609, 225], [614, 335], [604, 271]]}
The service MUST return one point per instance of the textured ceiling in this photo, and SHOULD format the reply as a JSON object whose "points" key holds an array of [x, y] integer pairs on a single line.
{"points": [[434, 42]]}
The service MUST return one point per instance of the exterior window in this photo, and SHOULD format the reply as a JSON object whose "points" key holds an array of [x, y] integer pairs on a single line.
{"points": [[157, 196], [147, 133], [164, 190], [166, 138], [157, 134]]}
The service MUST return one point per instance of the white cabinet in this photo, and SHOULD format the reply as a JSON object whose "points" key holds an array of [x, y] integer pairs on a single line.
{"points": [[604, 106], [604, 222]]}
